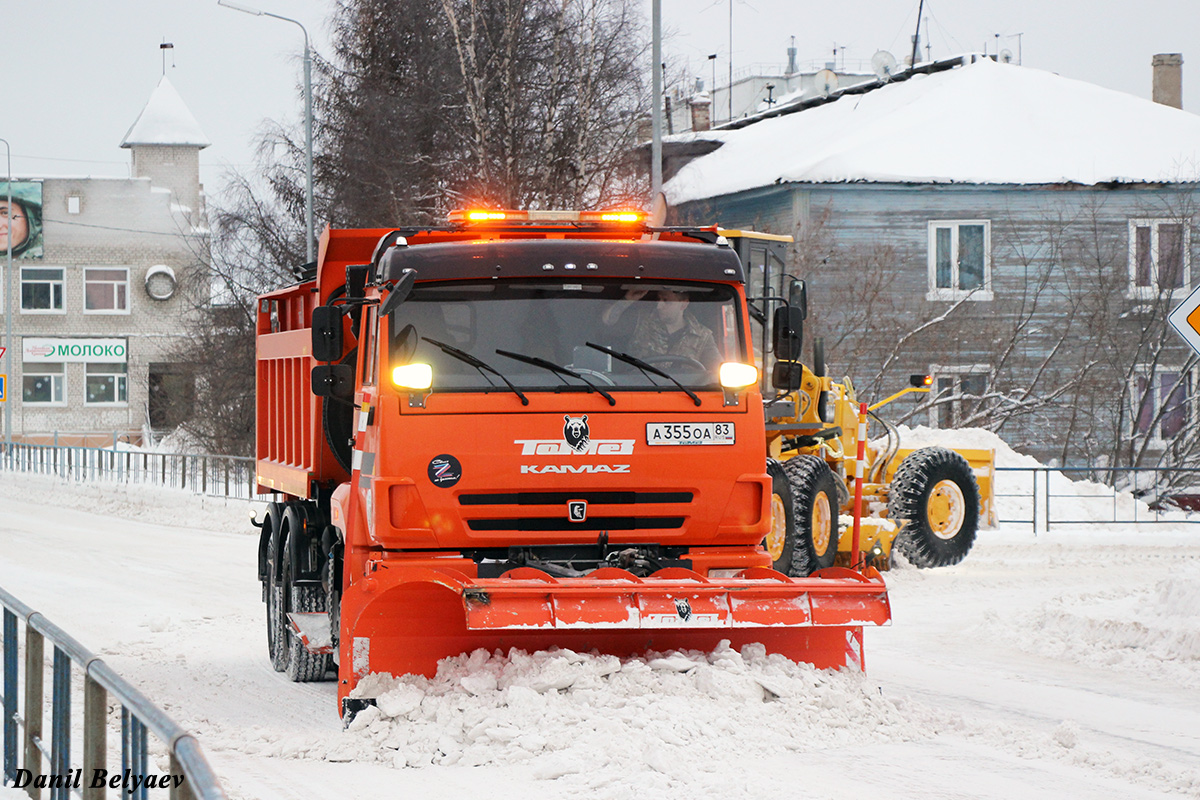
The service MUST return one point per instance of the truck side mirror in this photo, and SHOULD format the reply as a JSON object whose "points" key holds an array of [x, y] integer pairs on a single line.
{"points": [[787, 376], [399, 293], [788, 332], [333, 380], [327, 333], [798, 297]]}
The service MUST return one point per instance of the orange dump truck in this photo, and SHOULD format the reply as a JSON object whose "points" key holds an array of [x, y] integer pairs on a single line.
{"points": [[523, 430]]}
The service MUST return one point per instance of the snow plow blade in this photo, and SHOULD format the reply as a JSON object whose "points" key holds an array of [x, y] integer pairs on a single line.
{"points": [[404, 619]]}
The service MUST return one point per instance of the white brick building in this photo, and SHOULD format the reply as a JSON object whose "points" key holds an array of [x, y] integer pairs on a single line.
{"points": [[97, 316]]}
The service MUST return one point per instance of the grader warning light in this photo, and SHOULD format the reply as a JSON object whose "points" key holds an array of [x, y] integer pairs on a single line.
{"points": [[920, 381]]}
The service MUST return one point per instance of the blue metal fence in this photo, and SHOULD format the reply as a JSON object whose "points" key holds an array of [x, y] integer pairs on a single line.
{"points": [[190, 777]]}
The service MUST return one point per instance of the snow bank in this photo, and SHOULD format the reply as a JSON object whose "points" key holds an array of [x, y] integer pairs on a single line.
{"points": [[1088, 501], [144, 503]]}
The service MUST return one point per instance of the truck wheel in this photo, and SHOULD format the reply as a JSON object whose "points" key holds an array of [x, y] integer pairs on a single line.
{"points": [[935, 493], [815, 511], [781, 539], [276, 618], [302, 666]]}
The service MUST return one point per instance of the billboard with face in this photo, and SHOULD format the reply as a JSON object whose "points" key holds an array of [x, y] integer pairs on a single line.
{"points": [[21, 221]]}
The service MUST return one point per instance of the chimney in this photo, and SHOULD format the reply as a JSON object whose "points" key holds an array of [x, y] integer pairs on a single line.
{"points": [[1168, 79], [791, 51], [701, 106]]}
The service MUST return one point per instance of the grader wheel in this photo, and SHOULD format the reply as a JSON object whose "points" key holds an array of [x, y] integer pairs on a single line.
{"points": [[935, 493], [813, 543]]}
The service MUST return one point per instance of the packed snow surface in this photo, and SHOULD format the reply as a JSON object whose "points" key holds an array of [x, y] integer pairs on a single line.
{"points": [[1042, 128], [1061, 664]]}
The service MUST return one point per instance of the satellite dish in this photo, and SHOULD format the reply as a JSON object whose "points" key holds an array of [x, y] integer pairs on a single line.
{"points": [[884, 64], [1006, 56], [825, 82]]}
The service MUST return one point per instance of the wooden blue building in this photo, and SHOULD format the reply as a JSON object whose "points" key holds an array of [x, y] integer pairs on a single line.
{"points": [[1019, 235]]}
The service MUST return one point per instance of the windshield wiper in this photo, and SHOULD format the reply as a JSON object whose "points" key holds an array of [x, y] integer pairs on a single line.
{"points": [[478, 364], [644, 367], [558, 370]]}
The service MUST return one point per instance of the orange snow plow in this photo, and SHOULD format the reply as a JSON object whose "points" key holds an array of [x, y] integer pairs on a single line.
{"points": [[424, 615], [524, 430]]}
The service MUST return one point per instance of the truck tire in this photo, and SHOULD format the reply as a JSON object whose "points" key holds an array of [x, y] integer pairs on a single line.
{"points": [[815, 511], [781, 539], [935, 493], [302, 666], [276, 604]]}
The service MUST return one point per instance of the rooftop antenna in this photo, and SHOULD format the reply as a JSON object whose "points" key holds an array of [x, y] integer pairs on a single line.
{"points": [[916, 39], [163, 48]]}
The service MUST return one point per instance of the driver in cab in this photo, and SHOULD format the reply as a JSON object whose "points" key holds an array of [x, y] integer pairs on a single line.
{"points": [[663, 326]]}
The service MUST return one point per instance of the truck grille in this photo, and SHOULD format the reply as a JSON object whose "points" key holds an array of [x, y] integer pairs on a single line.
{"points": [[558, 498], [589, 524], [556, 501]]}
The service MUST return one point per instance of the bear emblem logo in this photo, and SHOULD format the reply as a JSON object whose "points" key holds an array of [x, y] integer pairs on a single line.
{"points": [[683, 608], [575, 432]]}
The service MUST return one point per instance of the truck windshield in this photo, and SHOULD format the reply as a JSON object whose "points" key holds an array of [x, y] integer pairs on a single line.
{"points": [[684, 329]]}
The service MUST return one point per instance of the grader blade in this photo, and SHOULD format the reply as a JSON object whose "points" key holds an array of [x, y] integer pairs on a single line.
{"points": [[405, 619]]}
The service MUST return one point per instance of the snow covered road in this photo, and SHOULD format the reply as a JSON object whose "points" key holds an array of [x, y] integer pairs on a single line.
{"points": [[1063, 665]]}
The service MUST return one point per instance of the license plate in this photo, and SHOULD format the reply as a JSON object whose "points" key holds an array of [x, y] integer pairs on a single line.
{"points": [[689, 433]]}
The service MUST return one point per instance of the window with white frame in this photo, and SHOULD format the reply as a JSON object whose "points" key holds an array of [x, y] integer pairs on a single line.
{"points": [[106, 384], [1162, 399], [956, 393], [106, 291], [42, 290], [1159, 256], [43, 384], [960, 260]]}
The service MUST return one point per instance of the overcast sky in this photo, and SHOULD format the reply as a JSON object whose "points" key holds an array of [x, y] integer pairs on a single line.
{"points": [[78, 72]]}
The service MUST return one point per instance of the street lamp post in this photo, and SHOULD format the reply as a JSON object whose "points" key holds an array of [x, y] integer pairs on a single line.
{"points": [[310, 238], [8, 343]]}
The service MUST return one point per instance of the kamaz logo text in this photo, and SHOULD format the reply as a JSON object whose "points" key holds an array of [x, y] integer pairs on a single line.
{"points": [[573, 469], [559, 447]]}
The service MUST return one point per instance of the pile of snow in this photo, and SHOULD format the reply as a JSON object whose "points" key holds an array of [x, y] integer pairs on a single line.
{"points": [[1087, 500], [591, 719]]}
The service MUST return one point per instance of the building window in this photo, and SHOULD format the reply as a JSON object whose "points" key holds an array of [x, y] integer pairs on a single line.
{"points": [[960, 260], [1159, 257], [41, 289], [106, 383], [106, 291], [74, 204], [42, 384], [1162, 401], [957, 394]]}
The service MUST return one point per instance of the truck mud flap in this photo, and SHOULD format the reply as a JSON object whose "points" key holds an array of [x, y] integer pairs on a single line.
{"points": [[404, 619]]}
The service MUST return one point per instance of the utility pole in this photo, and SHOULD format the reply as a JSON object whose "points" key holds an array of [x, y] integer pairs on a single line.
{"points": [[656, 102]]}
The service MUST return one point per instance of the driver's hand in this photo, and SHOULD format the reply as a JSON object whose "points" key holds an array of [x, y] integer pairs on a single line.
{"points": [[633, 295]]}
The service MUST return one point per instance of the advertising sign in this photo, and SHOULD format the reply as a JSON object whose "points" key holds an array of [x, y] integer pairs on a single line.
{"points": [[21, 222], [74, 351]]}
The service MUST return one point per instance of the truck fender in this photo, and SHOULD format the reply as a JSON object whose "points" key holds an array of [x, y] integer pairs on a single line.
{"points": [[303, 527], [267, 530]]}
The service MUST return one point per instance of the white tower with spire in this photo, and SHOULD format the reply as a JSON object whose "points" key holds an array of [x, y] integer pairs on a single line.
{"points": [[165, 142]]}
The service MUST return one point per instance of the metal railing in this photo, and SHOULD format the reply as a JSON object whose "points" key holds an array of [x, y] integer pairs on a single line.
{"points": [[190, 776], [217, 476], [1049, 502]]}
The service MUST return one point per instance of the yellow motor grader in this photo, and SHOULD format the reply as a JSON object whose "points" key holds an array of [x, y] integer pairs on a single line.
{"points": [[927, 503]]}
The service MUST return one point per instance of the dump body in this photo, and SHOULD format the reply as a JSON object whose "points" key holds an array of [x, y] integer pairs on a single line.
{"points": [[595, 503]]}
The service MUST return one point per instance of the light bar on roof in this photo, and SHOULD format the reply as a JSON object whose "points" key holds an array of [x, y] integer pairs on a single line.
{"points": [[558, 215]]}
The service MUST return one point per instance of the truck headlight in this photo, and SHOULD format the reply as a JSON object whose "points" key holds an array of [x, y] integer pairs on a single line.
{"points": [[413, 376], [736, 375]]}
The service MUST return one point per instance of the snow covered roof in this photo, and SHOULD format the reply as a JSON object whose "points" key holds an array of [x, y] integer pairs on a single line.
{"points": [[982, 122], [165, 120]]}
